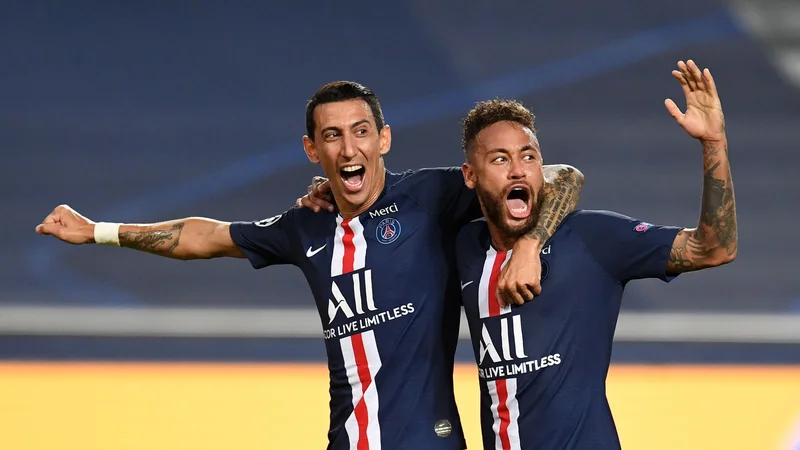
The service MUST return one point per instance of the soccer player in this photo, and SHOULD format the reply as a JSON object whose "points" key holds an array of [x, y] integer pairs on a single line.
{"points": [[542, 365], [381, 268]]}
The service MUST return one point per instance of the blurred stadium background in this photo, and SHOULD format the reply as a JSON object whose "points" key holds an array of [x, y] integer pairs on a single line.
{"points": [[149, 111]]}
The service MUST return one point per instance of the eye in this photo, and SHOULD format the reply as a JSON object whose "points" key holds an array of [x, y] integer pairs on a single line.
{"points": [[361, 132], [499, 159], [529, 157], [330, 135]]}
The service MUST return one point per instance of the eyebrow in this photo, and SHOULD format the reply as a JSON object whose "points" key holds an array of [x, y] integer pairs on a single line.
{"points": [[360, 122], [506, 151]]}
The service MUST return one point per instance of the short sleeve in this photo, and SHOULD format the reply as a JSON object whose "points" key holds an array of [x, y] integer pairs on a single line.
{"points": [[266, 242], [446, 194], [626, 248]]}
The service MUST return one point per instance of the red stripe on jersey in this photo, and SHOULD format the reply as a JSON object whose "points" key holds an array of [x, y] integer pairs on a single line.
{"points": [[349, 249], [362, 417], [494, 302], [503, 414]]}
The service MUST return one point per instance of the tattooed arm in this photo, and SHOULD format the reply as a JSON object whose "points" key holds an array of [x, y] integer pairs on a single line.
{"points": [[562, 192], [191, 238], [715, 240], [520, 279]]}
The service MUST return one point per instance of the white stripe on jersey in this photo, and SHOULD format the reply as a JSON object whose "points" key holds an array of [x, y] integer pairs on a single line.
{"points": [[484, 296], [371, 361], [506, 432], [357, 250], [338, 248]]}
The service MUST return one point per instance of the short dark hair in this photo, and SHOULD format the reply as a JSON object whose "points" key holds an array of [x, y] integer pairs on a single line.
{"points": [[489, 112], [339, 91]]}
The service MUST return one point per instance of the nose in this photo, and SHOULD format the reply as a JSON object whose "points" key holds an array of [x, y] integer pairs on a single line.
{"points": [[516, 170], [349, 149]]}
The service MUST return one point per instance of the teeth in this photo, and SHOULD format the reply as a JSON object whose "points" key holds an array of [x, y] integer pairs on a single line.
{"points": [[352, 168], [523, 209]]}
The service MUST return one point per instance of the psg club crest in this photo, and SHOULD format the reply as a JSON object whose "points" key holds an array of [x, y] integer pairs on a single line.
{"points": [[388, 230], [545, 270], [642, 226]]}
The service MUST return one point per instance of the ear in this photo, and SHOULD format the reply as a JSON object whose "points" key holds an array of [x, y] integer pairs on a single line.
{"points": [[311, 149], [470, 178], [386, 139]]}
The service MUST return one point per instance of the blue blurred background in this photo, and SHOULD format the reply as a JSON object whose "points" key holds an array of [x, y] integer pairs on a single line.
{"points": [[148, 111]]}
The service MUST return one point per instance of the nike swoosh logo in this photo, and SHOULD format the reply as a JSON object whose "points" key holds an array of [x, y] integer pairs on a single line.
{"points": [[463, 285], [310, 253]]}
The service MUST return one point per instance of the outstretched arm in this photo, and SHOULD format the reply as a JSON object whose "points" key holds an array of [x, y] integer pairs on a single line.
{"points": [[715, 240], [190, 238], [520, 279]]}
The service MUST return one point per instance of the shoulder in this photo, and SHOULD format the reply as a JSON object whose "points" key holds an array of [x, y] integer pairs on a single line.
{"points": [[431, 177], [587, 219], [292, 222], [474, 234]]}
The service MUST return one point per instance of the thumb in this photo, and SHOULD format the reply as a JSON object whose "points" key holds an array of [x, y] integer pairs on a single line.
{"points": [[52, 229], [673, 110]]}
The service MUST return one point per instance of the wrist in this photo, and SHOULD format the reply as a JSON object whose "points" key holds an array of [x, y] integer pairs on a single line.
{"points": [[105, 233], [527, 243], [715, 140]]}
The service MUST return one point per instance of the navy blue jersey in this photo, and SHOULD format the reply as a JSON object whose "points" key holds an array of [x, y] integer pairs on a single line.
{"points": [[543, 365], [386, 287]]}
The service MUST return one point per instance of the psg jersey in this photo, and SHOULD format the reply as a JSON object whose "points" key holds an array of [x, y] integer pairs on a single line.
{"points": [[542, 365], [386, 288]]}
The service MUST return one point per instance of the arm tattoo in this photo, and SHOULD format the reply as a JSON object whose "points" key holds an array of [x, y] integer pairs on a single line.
{"points": [[153, 241], [717, 231], [718, 215], [561, 197]]}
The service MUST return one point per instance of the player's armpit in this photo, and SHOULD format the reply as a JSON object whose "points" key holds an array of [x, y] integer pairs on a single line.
{"points": [[191, 238], [691, 251], [563, 185]]}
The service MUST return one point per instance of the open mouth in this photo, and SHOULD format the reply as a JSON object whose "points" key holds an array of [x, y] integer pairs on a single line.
{"points": [[518, 202], [353, 177]]}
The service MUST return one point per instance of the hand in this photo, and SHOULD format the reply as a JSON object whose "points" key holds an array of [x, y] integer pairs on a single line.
{"points": [[521, 278], [66, 224], [703, 118], [318, 197]]}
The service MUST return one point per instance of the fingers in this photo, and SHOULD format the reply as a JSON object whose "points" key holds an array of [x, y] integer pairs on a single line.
{"points": [[684, 84], [509, 297], [697, 76], [52, 229], [712, 86], [687, 75], [321, 184], [673, 110], [321, 198], [309, 202]]}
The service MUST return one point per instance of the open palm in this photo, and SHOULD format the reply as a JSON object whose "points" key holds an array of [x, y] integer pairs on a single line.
{"points": [[703, 118]]}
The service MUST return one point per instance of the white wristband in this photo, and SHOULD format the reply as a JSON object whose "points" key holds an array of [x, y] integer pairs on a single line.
{"points": [[106, 233]]}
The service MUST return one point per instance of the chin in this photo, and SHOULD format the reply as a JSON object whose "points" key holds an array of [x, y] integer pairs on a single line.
{"points": [[516, 228]]}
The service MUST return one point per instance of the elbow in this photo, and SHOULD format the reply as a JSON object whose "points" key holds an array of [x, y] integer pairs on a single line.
{"points": [[565, 171], [578, 175], [723, 256]]}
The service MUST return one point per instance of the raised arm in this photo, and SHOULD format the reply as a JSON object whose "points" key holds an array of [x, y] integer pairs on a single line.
{"points": [[520, 280], [190, 238], [715, 240]]}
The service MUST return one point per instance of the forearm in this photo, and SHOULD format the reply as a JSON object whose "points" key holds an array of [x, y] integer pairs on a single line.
{"points": [[715, 240], [190, 238], [561, 194]]}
